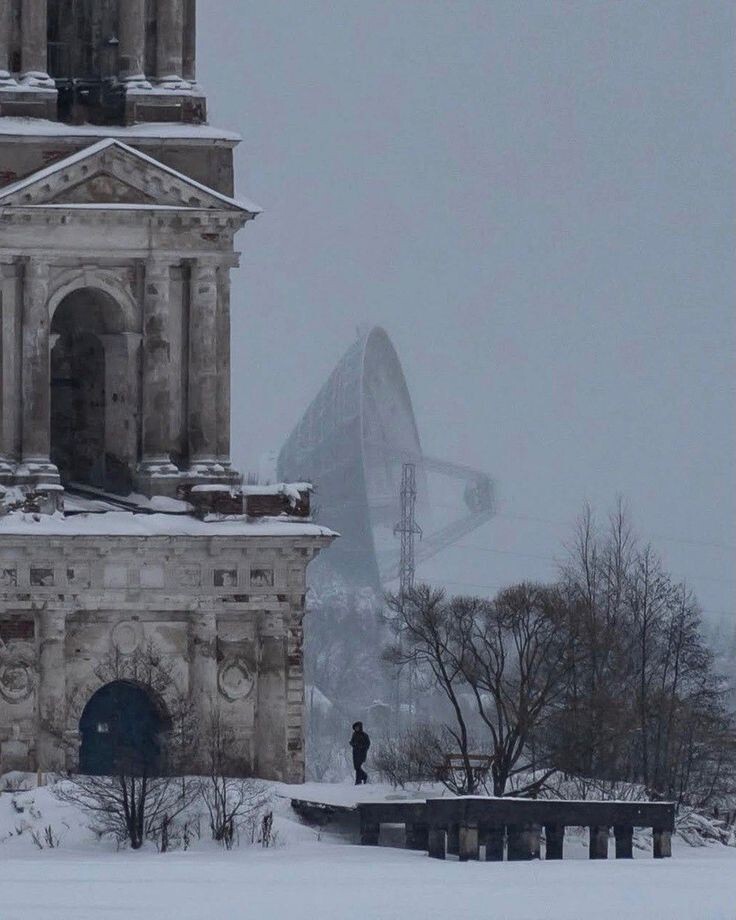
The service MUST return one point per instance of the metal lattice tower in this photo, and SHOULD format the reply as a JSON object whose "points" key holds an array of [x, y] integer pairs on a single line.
{"points": [[407, 528]]}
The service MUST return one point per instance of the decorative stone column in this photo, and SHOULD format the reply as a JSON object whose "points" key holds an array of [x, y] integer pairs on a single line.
{"points": [[10, 364], [36, 389], [132, 32], [156, 471], [203, 369], [170, 50], [223, 371], [34, 57], [190, 41], [202, 674], [5, 78], [51, 695]]}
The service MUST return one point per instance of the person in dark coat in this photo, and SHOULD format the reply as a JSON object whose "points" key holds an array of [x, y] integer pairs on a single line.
{"points": [[360, 742]]}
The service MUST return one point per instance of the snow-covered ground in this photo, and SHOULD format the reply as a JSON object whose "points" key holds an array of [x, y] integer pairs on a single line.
{"points": [[313, 876]]}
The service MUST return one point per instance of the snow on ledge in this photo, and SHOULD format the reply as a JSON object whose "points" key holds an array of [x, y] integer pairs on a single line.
{"points": [[126, 523], [41, 127]]}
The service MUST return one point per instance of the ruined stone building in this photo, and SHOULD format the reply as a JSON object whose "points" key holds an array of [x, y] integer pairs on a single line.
{"points": [[138, 581]]}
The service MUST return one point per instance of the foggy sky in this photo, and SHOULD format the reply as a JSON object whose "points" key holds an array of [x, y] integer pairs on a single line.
{"points": [[535, 199]]}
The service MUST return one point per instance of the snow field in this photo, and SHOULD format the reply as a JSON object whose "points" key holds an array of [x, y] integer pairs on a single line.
{"points": [[310, 875]]}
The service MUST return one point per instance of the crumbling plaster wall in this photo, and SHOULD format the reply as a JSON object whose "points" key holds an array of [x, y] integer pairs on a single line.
{"points": [[223, 618]]}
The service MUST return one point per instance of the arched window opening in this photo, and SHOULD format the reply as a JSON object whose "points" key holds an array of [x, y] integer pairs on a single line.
{"points": [[91, 417]]}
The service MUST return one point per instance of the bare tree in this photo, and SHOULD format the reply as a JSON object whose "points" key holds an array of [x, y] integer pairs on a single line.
{"points": [[427, 638], [513, 661], [643, 703]]}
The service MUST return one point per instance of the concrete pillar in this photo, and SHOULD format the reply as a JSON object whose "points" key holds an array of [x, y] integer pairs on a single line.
{"points": [[36, 388], [203, 370], [202, 673], [417, 837], [156, 462], [170, 50], [34, 58], [491, 837], [624, 835], [223, 370], [5, 78], [190, 41], [436, 842], [598, 842], [468, 842], [524, 841], [51, 694], [132, 35], [554, 836], [662, 843]]}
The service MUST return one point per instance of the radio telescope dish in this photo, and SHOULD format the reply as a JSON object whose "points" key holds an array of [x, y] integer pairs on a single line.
{"points": [[352, 443]]}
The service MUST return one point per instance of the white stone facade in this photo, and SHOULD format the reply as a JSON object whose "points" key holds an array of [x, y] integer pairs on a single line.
{"points": [[112, 231], [115, 256], [223, 614]]}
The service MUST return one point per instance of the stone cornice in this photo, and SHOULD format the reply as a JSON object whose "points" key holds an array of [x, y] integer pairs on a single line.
{"points": [[60, 215]]}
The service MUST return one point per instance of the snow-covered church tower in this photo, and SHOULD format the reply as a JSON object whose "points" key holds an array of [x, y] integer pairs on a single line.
{"points": [[137, 578]]}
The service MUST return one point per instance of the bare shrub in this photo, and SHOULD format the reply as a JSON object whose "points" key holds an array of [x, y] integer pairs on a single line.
{"points": [[414, 756], [47, 839], [230, 801], [129, 807]]}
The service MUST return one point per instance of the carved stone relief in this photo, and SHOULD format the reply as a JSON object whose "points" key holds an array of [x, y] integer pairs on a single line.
{"points": [[234, 679], [127, 637], [17, 674]]}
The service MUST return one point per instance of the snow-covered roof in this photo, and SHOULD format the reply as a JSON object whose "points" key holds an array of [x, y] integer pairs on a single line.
{"points": [[126, 523], [11, 126], [110, 142]]}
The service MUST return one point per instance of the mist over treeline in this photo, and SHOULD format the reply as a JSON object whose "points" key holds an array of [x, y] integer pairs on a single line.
{"points": [[603, 675]]}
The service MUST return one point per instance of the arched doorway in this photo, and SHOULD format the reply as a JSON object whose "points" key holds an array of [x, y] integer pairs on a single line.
{"points": [[123, 728], [85, 444]]}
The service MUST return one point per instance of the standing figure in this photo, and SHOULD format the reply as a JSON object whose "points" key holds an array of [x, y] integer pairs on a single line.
{"points": [[360, 742]]}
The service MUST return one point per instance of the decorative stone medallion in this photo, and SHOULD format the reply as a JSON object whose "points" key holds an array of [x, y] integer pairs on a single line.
{"points": [[17, 677], [127, 637], [234, 679]]}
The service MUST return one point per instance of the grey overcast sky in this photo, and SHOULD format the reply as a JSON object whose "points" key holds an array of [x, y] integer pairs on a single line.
{"points": [[535, 199]]}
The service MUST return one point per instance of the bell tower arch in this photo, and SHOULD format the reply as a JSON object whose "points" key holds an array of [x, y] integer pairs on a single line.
{"points": [[94, 397]]}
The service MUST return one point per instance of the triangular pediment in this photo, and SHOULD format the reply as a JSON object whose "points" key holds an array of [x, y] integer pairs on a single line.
{"points": [[112, 174]]}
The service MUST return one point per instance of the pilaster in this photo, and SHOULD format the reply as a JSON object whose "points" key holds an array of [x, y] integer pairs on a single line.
{"points": [[36, 392], [270, 720], [51, 695], [10, 369], [203, 368], [202, 673], [156, 473], [223, 369]]}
